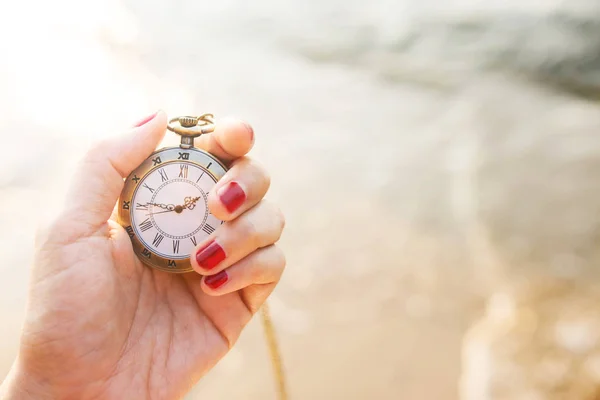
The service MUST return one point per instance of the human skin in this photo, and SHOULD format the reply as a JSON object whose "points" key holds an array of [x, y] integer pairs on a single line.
{"points": [[101, 325]]}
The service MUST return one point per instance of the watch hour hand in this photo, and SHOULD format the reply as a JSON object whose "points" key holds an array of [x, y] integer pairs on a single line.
{"points": [[169, 207]]}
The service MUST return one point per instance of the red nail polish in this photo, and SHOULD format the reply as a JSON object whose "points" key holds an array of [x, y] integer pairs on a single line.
{"points": [[232, 196], [145, 120], [210, 255], [217, 280]]}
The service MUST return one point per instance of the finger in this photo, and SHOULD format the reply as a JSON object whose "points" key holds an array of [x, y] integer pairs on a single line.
{"points": [[99, 178], [262, 267], [259, 227], [231, 139], [242, 187]]}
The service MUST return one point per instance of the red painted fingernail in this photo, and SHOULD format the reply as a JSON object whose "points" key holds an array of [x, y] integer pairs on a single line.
{"points": [[232, 196], [217, 280], [145, 120], [210, 255]]}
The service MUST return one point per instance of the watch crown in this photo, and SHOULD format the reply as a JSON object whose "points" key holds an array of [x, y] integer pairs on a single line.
{"points": [[188, 122], [190, 127]]}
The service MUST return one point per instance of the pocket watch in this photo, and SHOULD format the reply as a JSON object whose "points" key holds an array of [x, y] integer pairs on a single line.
{"points": [[164, 203]]}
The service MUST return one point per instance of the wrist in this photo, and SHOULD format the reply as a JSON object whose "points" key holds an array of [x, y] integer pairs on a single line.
{"points": [[19, 384]]}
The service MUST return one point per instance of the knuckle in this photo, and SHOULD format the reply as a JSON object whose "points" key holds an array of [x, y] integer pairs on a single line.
{"points": [[250, 231], [258, 170], [268, 265], [258, 270], [280, 220], [281, 217], [270, 212], [280, 260], [276, 215], [266, 176]]}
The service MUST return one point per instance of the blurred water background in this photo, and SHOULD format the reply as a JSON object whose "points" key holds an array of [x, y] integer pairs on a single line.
{"points": [[436, 161]]}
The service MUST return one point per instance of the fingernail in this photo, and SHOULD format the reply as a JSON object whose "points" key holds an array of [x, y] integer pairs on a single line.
{"points": [[210, 255], [145, 120], [217, 280], [250, 130], [232, 196]]}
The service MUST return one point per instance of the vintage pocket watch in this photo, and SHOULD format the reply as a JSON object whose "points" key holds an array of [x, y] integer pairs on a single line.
{"points": [[163, 205]]}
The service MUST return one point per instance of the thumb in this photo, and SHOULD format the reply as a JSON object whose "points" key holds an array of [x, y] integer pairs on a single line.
{"points": [[100, 176]]}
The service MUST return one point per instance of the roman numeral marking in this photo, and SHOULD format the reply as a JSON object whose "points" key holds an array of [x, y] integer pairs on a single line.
{"points": [[184, 156], [147, 224], [172, 263], [183, 171], [129, 230], [208, 229], [202, 174], [193, 239], [141, 207], [157, 239], [156, 161], [135, 179], [126, 205], [163, 175], [176, 246], [149, 188], [146, 253]]}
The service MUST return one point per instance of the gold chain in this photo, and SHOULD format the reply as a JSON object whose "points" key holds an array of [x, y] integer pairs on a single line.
{"points": [[274, 350]]}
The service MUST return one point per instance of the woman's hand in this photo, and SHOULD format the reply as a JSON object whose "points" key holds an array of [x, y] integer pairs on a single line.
{"points": [[100, 324]]}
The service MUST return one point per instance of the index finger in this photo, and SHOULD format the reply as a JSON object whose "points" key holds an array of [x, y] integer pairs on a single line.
{"points": [[231, 139]]}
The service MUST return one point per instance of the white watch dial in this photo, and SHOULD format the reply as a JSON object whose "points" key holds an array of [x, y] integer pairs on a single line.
{"points": [[169, 209]]}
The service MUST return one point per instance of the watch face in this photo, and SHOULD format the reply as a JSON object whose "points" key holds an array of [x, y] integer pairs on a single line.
{"points": [[164, 206]]}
